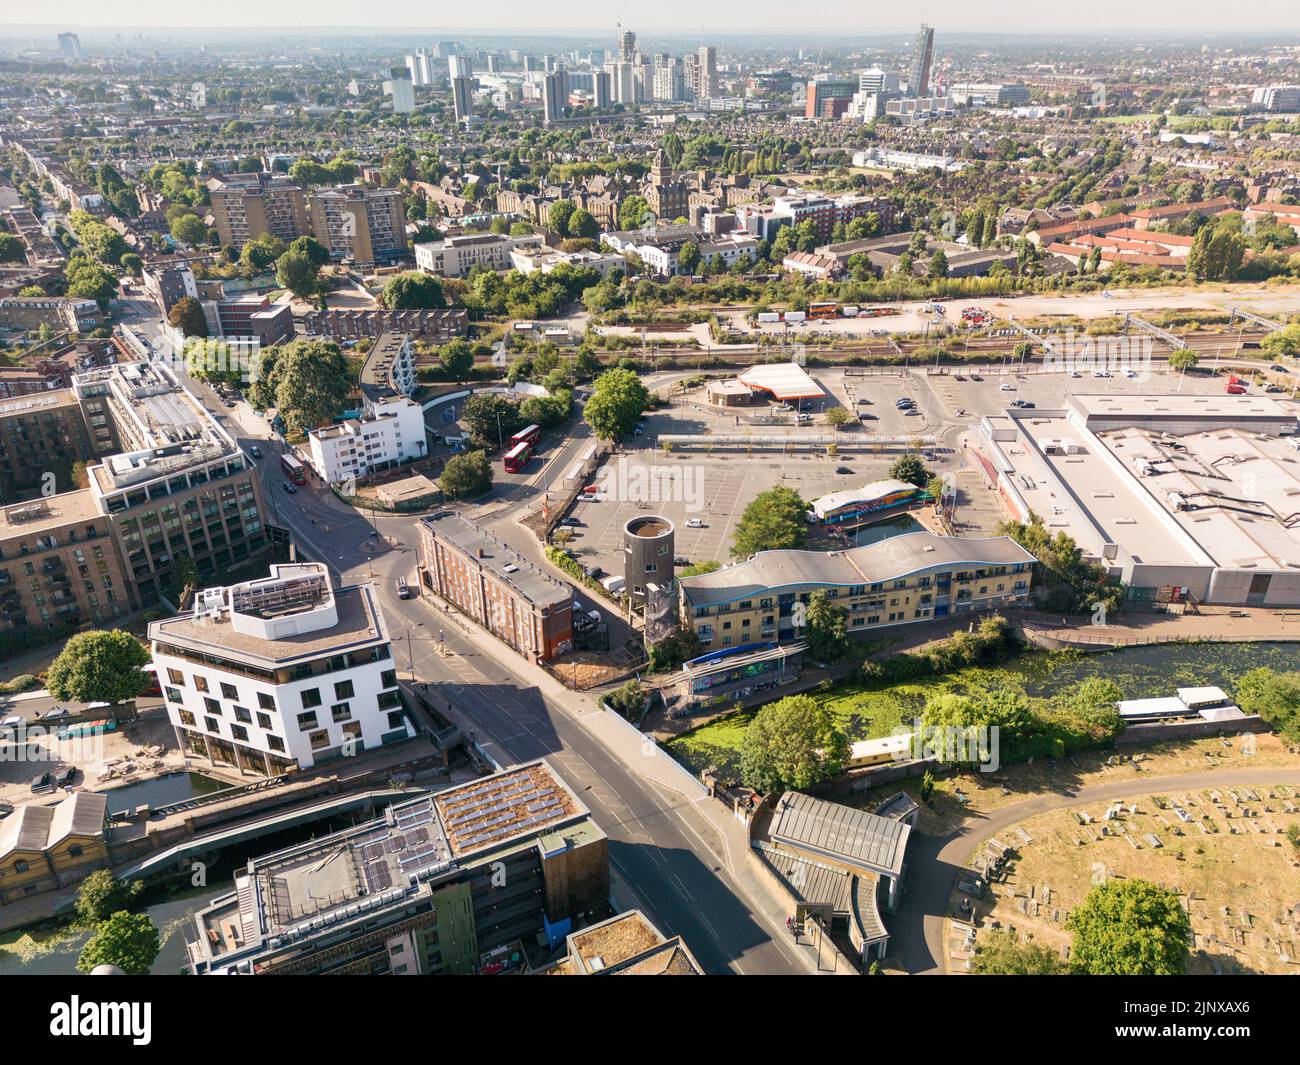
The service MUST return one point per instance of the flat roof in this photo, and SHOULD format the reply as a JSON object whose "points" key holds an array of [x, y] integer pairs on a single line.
{"points": [[1143, 407], [37, 516], [897, 556], [784, 380], [535, 585], [359, 624], [491, 811]]}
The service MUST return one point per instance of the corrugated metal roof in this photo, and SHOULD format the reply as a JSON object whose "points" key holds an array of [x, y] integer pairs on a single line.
{"points": [[854, 837]]}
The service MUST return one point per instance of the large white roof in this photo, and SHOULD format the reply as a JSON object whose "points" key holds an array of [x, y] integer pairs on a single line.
{"points": [[784, 380]]}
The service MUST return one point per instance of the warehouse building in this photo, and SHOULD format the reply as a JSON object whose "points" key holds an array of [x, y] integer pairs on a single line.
{"points": [[1185, 498]]}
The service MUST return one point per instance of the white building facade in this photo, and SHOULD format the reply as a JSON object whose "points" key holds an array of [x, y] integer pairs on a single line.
{"points": [[457, 256], [390, 432], [280, 673]]}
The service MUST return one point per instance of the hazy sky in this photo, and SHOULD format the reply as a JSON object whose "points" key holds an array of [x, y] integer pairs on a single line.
{"points": [[851, 17]]}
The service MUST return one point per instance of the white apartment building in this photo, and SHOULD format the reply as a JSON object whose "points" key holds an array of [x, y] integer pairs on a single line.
{"points": [[389, 432], [281, 673], [529, 259], [457, 256]]}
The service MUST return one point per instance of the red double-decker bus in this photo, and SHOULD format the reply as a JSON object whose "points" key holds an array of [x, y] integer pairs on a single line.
{"points": [[517, 457], [293, 469], [528, 435]]}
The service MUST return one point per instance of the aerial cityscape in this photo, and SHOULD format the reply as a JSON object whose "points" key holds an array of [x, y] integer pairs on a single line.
{"points": [[618, 500]]}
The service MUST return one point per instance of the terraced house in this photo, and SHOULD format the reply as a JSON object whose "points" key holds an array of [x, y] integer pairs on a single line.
{"points": [[902, 580]]}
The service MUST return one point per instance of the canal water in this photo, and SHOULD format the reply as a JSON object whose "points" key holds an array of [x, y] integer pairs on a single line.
{"points": [[159, 791]]}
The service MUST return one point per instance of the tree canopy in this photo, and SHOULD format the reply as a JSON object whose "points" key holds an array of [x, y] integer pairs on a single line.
{"points": [[413, 290], [773, 520], [466, 475], [618, 399], [128, 940], [308, 381], [1129, 928], [99, 666], [791, 743]]}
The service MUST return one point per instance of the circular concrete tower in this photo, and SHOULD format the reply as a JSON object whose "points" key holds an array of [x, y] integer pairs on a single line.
{"points": [[649, 544]]}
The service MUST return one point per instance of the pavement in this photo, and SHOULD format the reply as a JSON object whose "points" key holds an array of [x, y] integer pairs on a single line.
{"points": [[934, 862]]}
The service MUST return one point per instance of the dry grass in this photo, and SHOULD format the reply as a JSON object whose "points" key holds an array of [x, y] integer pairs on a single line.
{"points": [[1239, 877]]}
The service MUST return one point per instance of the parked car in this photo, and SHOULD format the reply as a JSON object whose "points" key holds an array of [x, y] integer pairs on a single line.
{"points": [[588, 497], [55, 713], [42, 782], [842, 469], [403, 589], [12, 721], [572, 523], [289, 487], [1006, 386], [65, 776], [256, 452], [696, 523], [681, 560]]}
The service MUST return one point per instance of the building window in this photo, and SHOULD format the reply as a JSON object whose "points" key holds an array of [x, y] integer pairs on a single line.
{"points": [[388, 678], [343, 689], [307, 721], [243, 715], [213, 725], [320, 739], [311, 697], [21, 866], [229, 691], [341, 712], [75, 851], [239, 732], [176, 677], [211, 705], [265, 701], [186, 717], [263, 721], [200, 683], [275, 743]]}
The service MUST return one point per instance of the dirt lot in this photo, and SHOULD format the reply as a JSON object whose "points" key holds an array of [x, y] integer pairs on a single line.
{"points": [[1235, 871]]}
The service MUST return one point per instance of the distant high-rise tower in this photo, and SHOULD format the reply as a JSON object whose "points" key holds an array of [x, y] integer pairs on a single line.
{"points": [[707, 73], [918, 84], [600, 89], [462, 97], [460, 66], [555, 96], [401, 89], [627, 46], [70, 46]]}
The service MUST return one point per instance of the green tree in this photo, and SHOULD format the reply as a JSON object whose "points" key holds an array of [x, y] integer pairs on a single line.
{"points": [[1284, 343], [315, 251], [11, 249], [618, 399], [491, 418], [311, 380], [413, 290], [128, 940], [826, 629], [87, 279], [296, 272], [187, 316], [583, 225], [102, 894], [214, 362], [557, 218], [259, 254], [911, 469], [98, 667], [1273, 696], [466, 475], [1129, 928], [631, 212], [838, 417], [189, 229], [1183, 360], [456, 359], [791, 743], [688, 259], [1001, 955], [938, 264], [774, 520]]}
